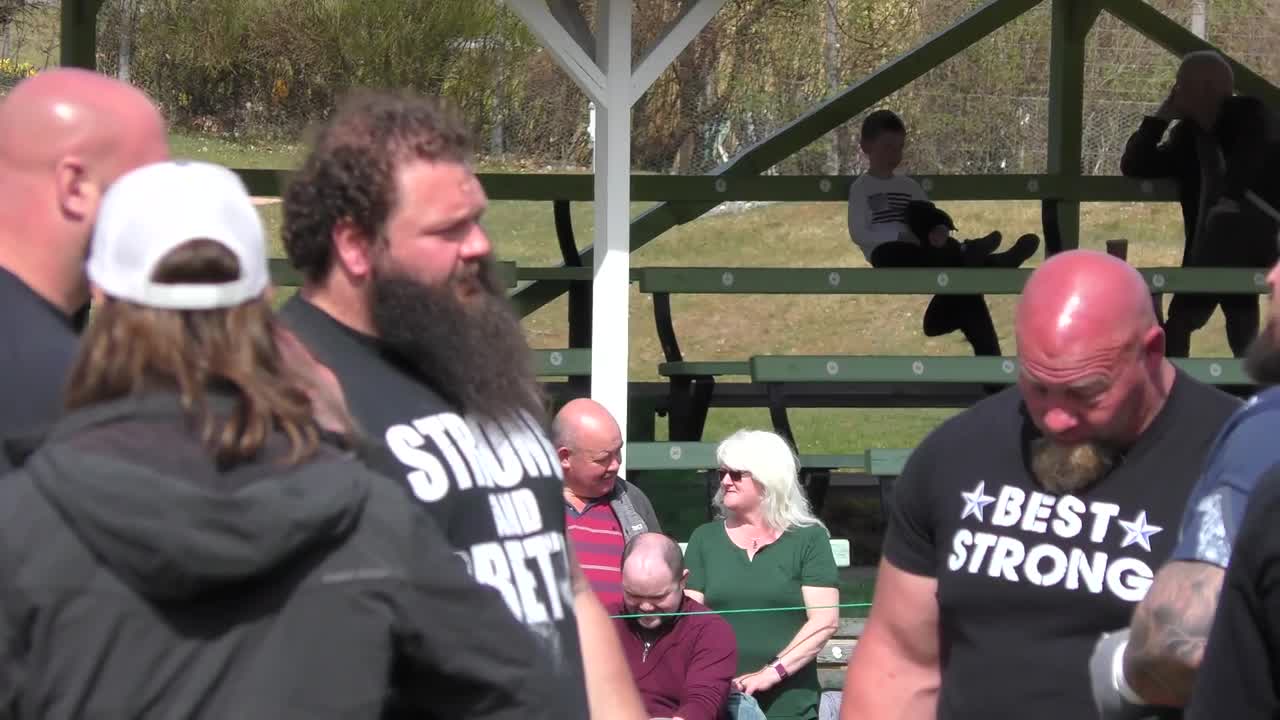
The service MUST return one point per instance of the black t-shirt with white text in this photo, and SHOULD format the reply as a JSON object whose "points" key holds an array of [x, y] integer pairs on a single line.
{"points": [[1028, 580], [495, 489]]}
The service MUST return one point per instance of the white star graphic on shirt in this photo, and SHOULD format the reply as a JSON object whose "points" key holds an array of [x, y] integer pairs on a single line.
{"points": [[1138, 531], [976, 500]]}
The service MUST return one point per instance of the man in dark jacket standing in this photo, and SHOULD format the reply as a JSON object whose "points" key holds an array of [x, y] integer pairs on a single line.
{"points": [[682, 664], [1219, 151], [188, 544], [602, 511]]}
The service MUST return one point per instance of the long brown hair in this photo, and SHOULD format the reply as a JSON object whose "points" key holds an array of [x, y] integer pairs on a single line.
{"points": [[129, 348]]}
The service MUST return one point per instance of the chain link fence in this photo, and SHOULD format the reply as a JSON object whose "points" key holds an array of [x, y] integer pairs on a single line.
{"points": [[272, 67]]}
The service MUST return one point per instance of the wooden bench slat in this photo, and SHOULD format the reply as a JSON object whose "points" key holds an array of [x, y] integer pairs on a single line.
{"points": [[671, 455], [831, 677], [944, 369], [917, 281], [702, 456], [887, 462], [566, 362], [283, 273], [851, 627], [715, 367], [836, 651]]}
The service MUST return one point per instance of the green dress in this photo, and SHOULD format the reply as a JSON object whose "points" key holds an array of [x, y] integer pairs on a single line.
{"points": [[729, 581]]}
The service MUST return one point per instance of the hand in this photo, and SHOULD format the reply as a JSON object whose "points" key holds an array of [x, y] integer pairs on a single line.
{"points": [[755, 682], [939, 236]]}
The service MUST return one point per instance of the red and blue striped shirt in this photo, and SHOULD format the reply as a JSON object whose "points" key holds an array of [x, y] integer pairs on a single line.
{"points": [[597, 541]]}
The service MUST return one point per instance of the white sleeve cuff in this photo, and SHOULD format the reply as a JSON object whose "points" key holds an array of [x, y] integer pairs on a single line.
{"points": [[1117, 676]]}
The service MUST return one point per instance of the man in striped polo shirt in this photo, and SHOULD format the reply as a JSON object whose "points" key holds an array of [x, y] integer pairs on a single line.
{"points": [[602, 510]]}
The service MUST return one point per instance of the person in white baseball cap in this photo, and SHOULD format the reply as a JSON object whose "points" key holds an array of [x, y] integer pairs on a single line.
{"points": [[191, 541], [152, 211]]}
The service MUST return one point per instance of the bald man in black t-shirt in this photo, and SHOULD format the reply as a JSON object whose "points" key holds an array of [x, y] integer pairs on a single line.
{"points": [[65, 135], [1026, 526]]}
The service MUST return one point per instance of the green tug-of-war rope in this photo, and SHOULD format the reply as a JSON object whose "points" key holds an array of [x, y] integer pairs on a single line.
{"points": [[743, 610]]}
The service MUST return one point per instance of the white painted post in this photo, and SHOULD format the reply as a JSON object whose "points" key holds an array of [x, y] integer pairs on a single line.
{"points": [[608, 82], [591, 131], [1198, 18], [610, 290]]}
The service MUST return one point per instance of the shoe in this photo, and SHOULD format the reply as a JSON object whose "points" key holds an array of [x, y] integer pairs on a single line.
{"points": [[1022, 250], [976, 252]]}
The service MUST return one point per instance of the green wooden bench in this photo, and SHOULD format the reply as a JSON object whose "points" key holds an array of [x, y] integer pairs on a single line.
{"points": [[974, 373], [692, 384], [284, 275], [565, 362]]}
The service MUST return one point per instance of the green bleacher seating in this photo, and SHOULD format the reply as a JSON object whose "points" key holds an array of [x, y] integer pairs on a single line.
{"points": [[935, 369], [692, 383], [567, 362], [702, 456]]}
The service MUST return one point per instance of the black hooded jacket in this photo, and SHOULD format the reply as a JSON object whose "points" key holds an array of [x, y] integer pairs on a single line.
{"points": [[139, 581]]}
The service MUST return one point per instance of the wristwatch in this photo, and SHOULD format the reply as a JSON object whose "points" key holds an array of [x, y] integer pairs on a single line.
{"points": [[781, 670]]}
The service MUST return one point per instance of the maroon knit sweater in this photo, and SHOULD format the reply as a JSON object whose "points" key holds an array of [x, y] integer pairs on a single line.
{"points": [[687, 669]]}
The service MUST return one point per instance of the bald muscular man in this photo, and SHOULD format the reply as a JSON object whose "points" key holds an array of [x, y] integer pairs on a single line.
{"points": [[602, 510], [65, 136], [1027, 525], [1221, 146]]}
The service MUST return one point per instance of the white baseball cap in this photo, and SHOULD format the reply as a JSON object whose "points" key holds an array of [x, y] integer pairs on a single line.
{"points": [[148, 212]]}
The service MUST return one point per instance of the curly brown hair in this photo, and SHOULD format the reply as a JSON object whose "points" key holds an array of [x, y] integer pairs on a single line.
{"points": [[350, 172]]}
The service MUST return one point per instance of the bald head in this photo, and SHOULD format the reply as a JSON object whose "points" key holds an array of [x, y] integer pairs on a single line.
{"points": [[652, 555], [653, 576], [589, 444], [583, 420], [65, 136], [1082, 298], [1093, 372]]}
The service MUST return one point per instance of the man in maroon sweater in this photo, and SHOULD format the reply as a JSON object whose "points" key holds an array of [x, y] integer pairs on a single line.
{"points": [[683, 664]]}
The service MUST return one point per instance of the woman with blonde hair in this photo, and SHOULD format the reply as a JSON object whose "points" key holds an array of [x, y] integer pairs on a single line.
{"points": [[767, 551]]}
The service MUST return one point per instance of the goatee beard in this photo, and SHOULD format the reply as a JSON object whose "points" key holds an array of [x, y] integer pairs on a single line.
{"points": [[1069, 469], [473, 351]]}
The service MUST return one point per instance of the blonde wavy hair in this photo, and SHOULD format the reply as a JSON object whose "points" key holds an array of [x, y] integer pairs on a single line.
{"points": [[774, 468]]}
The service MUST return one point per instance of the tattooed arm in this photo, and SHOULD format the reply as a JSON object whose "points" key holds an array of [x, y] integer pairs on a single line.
{"points": [[1169, 631]]}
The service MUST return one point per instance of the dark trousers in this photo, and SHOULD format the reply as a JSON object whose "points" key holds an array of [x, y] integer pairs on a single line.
{"points": [[946, 313], [1240, 240], [1188, 313]]}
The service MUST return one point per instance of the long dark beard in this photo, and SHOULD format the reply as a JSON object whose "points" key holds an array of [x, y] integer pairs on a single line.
{"points": [[1262, 359], [1069, 469], [473, 352]]}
